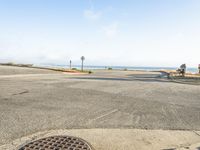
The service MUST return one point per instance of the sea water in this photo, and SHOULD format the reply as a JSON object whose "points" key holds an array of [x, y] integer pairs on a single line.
{"points": [[87, 67]]}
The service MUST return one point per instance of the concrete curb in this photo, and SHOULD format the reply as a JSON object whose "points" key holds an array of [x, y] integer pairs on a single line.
{"points": [[122, 139]]}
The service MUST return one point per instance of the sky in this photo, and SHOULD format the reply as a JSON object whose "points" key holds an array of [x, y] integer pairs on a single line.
{"points": [[162, 33]]}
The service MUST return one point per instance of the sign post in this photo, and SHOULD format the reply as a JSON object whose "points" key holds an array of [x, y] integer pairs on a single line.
{"points": [[82, 59]]}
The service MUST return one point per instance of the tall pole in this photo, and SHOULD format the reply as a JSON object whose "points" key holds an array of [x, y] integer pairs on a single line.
{"points": [[82, 66], [70, 64], [82, 59]]}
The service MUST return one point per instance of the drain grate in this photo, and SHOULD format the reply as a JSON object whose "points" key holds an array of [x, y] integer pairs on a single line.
{"points": [[58, 143]]}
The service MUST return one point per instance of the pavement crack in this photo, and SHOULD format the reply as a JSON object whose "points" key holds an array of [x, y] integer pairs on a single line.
{"points": [[24, 92], [196, 133]]}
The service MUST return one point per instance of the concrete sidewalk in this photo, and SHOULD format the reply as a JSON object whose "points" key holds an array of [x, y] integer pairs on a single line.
{"points": [[123, 139]]}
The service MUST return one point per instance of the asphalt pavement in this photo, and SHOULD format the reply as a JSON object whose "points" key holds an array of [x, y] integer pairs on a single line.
{"points": [[33, 100]]}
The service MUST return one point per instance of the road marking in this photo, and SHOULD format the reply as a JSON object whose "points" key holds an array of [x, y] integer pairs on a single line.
{"points": [[103, 115]]}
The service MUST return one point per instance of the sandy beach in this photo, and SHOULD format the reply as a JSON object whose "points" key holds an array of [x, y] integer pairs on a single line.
{"points": [[36, 103]]}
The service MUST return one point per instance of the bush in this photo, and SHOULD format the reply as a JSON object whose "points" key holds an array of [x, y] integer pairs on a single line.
{"points": [[9, 64], [109, 68], [74, 68]]}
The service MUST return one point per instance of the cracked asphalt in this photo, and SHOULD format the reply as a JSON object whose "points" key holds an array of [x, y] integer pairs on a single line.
{"points": [[33, 100]]}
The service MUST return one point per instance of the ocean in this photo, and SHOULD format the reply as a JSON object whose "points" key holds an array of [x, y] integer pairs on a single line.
{"points": [[191, 70]]}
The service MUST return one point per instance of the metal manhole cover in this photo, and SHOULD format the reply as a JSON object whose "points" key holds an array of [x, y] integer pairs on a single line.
{"points": [[58, 143]]}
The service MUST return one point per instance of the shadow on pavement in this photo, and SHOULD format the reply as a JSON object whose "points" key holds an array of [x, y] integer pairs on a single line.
{"points": [[141, 77], [146, 79], [145, 75]]}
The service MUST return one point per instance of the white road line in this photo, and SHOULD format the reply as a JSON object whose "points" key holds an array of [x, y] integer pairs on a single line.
{"points": [[104, 115]]}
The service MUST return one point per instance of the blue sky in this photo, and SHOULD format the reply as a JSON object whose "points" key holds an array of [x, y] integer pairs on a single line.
{"points": [[106, 32]]}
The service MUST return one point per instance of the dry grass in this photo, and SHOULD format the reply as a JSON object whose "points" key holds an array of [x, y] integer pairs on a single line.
{"points": [[47, 68]]}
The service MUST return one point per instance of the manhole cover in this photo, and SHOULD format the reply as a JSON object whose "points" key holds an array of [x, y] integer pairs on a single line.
{"points": [[58, 143]]}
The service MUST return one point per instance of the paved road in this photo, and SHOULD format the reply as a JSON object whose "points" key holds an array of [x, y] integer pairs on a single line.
{"points": [[34, 100]]}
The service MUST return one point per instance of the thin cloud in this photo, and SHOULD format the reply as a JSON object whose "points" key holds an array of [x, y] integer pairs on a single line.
{"points": [[92, 15]]}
